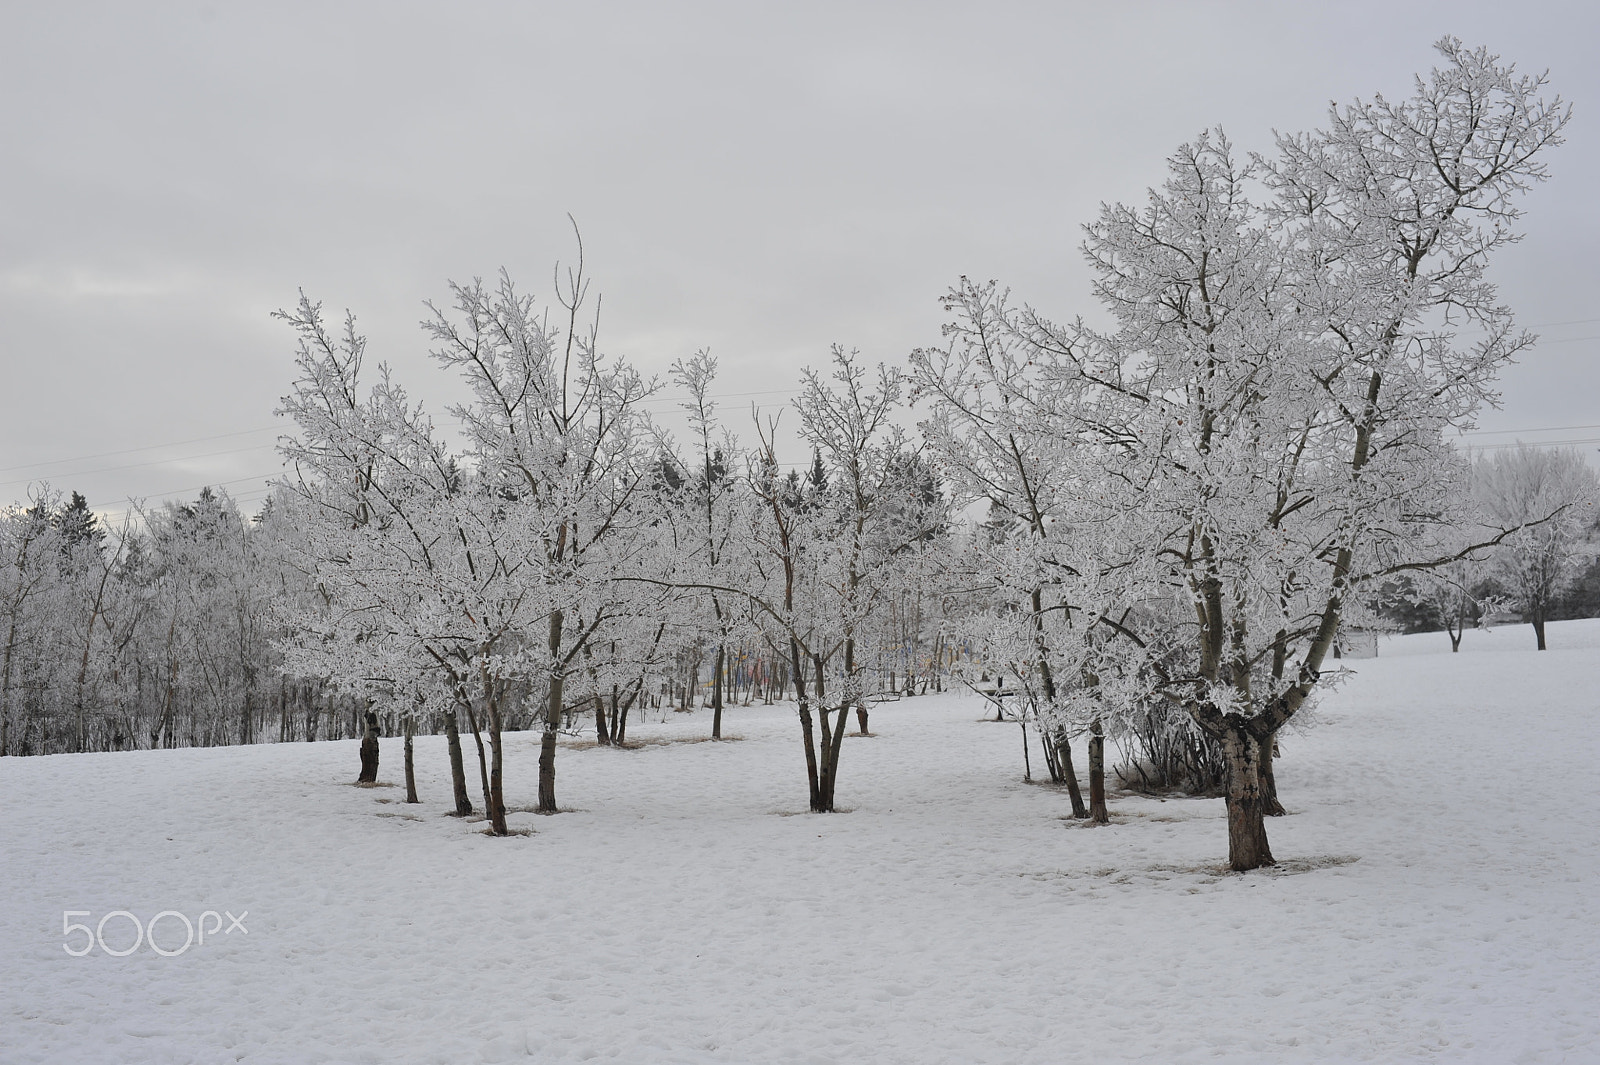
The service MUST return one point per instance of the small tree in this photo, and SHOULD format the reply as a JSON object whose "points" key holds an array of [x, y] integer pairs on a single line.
{"points": [[1548, 496]]}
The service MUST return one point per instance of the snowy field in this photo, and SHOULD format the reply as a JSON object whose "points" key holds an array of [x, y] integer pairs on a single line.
{"points": [[1436, 901]]}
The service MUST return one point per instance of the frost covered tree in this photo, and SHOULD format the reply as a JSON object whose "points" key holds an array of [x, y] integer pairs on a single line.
{"points": [[559, 434], [377, 498], [819, 563], [1548, 496], [995, 429], [1262, 433], [30, 572], [709, 497], [500, 582]]}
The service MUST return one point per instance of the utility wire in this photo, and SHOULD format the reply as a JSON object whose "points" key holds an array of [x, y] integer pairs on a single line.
{"points": [[1541, 443], [131, 450], [132, 501], [1546, 429], [1552, 325], [1566, 340], [139, 465]]}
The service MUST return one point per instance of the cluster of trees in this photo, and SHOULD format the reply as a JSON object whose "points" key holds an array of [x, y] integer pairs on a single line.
{"points": [[156, 636], [1547, 569], [569, 554], [1178, 511]]}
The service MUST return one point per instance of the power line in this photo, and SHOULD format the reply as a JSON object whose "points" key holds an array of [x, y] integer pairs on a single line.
{"points": [[136, 465], [1566, 340], [723, 395], [1552, 325], [131, 501], [1546, 429], [1541, 443], [131, 450], [260, 429]]}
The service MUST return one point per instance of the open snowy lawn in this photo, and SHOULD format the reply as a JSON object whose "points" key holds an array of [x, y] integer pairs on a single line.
{"points": [[1436, 899]]}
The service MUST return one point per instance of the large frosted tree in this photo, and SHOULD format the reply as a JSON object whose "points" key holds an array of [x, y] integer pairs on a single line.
{"points": [[1262, 432]]}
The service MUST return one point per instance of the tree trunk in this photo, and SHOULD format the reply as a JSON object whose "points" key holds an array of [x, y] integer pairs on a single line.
{"points": [[716, 695], [602, 729], [619, 714], [806, 730], [1269, 781], [1052, 761], [496, 798], [458, 769], [483, 764], [1097, 776], [369, 751], [1069, 773], [552, 720], [411, 772], [835, 744], [1247, 829], [1538, 626], [861, 718]]}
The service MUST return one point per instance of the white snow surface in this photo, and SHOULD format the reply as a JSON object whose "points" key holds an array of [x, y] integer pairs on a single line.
{"points": [[1435, 898]]}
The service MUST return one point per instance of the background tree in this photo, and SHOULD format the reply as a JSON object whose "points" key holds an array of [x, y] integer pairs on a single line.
{"points": [[1548, 496]]}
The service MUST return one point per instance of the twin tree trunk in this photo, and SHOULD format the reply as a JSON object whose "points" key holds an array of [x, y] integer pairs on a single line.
{"points": [[822, 760]]}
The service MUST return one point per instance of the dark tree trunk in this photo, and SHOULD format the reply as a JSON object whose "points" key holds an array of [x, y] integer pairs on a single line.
{"points": [[458, 769], [826, 758], [1269, 781], [369, 751], [716, 695], [861, 718], [1538, 626], [1052, 761], [602, 729], [411, 772], [1069, 773], [619, 714], [807, 730], [1247, 829], [834, 744], [1097, 776], [483, 762], [552, 722], [496, 799]]}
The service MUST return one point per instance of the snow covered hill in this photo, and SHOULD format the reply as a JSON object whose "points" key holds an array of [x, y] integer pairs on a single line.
{"points": [[1435, 900]]}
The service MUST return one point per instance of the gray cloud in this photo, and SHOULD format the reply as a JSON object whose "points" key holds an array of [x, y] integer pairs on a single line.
{"points": [[759, 180]]}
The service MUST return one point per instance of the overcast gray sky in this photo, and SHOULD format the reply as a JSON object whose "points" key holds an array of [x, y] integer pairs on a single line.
{"points": [[759, 179]]}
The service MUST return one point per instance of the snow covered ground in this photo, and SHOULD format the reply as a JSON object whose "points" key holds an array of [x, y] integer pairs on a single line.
{"points": [[1436, 900]]}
